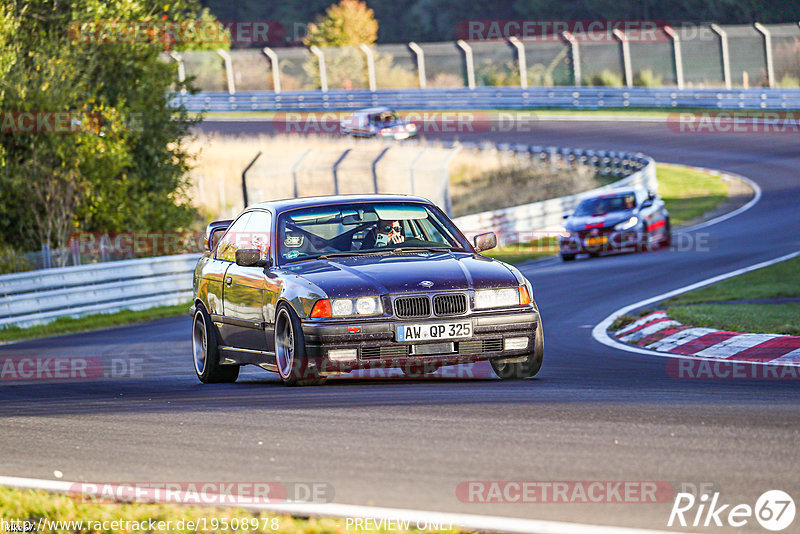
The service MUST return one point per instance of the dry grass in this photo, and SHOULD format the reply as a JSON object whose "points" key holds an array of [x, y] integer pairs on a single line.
{"points": [[480, 179]]}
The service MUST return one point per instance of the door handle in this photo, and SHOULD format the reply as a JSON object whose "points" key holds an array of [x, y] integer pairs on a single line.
{"points": [[228, 280]]}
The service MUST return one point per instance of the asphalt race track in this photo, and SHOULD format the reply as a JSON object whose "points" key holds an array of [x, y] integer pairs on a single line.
{"points": [[593, 413]]}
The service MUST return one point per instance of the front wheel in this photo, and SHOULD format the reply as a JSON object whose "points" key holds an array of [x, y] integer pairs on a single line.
{"points": [[206, 352], [567, 257], [290, 351], [531, 365]]}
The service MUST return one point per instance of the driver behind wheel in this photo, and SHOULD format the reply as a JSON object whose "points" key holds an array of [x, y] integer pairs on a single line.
{"points": [[389, 232]]}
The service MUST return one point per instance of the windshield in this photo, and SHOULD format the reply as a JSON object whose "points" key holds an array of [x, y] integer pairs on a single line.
{"points": [[369, 228], [603, 205], [384, 117]]}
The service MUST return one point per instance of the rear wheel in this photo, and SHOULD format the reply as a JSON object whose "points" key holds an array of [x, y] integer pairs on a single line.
{"points": [[206, 352], [567, 257], [290, 350], [530, 366], [667, 241]]}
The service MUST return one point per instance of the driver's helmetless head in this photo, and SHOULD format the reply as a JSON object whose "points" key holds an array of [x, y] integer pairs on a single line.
{"points": [[387, 227]]}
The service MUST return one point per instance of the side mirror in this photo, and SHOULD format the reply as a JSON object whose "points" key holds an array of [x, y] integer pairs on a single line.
{"points": [[565, 216], [250, 257], [646, 204], [485, 241]]}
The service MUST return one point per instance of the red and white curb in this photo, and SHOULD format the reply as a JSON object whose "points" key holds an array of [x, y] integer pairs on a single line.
{"points": [[670, 339], [656, 331]]}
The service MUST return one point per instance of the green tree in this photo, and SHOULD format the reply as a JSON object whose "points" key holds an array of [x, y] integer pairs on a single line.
{"points": [[348, 23], [123, 167]]}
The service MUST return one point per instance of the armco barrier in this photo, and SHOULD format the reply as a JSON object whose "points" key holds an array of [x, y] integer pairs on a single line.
{"points": [[638, 170], [41, 296], [562, 97]]}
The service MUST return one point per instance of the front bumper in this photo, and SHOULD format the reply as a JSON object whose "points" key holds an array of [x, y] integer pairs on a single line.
{"points": [[376, 345], [606, 241]]}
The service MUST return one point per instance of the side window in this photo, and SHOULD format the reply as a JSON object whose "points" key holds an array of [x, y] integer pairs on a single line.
{"points": [[226, 250], [257, 233]]}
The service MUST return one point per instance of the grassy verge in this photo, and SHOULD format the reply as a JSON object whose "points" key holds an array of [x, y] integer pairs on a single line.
{"points": [[70, 325], [753, 318], [31, 505], [689, 194], [711, 306], [519, 253], [775, 281]]}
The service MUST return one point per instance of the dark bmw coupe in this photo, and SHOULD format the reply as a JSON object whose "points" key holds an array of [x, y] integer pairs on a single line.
{"points": [[314, 287]]}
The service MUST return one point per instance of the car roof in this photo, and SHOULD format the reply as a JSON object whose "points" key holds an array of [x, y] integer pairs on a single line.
{"points": [[373, 110], [607, 193], [292, 203]]}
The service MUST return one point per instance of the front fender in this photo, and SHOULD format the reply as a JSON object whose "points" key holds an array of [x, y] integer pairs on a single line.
{"points": [[300, 294]]}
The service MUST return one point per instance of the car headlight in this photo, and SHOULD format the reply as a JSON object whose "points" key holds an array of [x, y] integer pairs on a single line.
{"points": [[627, 225], [359, 306], [500, 298]]}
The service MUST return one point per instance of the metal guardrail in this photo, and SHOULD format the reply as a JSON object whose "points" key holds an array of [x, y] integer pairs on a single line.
{"points": [[495, 98], [41, 296], [38, 297], [638, 170]]}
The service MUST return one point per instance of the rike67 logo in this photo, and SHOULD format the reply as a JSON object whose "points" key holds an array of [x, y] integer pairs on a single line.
{"points": [[774, 510]]}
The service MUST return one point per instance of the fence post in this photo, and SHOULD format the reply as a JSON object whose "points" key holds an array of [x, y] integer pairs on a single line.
{"points": [[276, 68], [420, 63], [448, 206], [178, 57], [46, 255], [228, 70], [375, 168], [411, 168], [676, 54], [370, 65], [295, 166], [626, 56], [575, 54], [523, 67], [323, 75], [244, 178], [336, 171], [726, 62], [468, 61], [767, 52]]}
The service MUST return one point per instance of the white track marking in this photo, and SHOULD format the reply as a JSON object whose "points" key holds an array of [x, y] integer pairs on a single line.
{"points": [[790, 357], [648, 330], [734, 345], [669, 343], [467, 521], [600, 331], [752, 202], [639, 322]]}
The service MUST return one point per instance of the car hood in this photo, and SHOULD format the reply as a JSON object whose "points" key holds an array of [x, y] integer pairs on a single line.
{"points": [[611, 219], [364, 275]]}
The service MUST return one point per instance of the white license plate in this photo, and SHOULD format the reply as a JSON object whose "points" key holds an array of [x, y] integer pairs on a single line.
{"points": [[417, 332]]}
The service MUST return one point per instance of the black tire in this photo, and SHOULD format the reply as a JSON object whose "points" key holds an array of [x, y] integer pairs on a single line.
{"points": [[528, 368], [205, 352], [567, 257], [290, 350], [667, 242]]}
